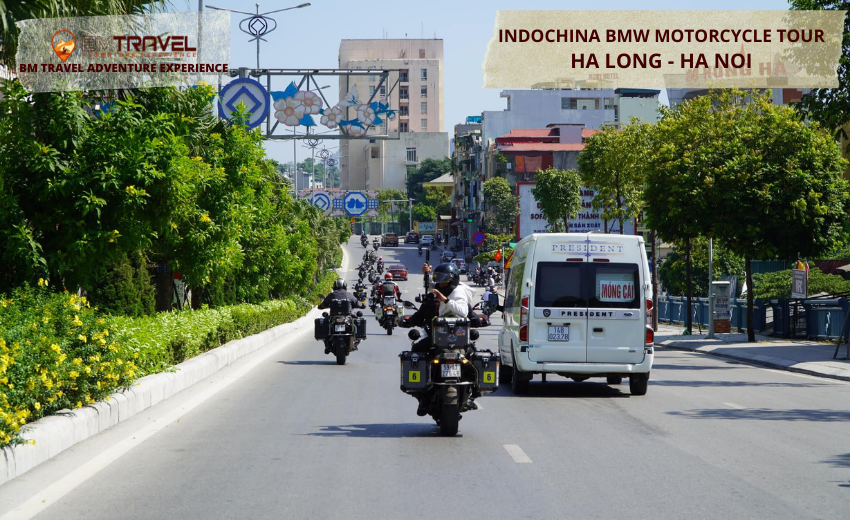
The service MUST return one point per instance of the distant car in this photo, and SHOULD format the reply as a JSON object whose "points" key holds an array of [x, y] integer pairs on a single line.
{"points": [[460, 263], [448, 256], [398, 271], [389, 239], [411, 238], [427, 240]]}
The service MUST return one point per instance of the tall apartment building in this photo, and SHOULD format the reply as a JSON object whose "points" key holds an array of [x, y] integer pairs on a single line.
{"points": [[418, 97]]}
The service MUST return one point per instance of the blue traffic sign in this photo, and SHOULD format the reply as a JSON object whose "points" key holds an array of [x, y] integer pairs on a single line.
{"points": [[248, 91], [478, 238], [355, 203], [321, 200]]}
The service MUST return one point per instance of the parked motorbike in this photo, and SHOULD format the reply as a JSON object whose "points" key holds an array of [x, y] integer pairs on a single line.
{"points": [[340, 331], [451, 371]]}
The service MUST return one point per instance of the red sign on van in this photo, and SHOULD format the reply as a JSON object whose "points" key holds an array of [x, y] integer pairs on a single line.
{"points": [[615, 290]]}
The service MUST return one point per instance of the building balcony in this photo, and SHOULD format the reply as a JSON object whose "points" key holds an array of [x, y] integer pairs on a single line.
{"points": [[403, 101]]}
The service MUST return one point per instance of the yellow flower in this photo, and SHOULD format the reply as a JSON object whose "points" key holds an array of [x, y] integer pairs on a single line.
{"points": [[106, 332], [197, 158], [82, 338], [45, 320], [73, 374], [205, 217], [79, 404], [37, 406], [42, 282], [78, 361]]}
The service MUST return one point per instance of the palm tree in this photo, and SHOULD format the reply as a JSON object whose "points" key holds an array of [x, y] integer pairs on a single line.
{"points": [[12, 11]]}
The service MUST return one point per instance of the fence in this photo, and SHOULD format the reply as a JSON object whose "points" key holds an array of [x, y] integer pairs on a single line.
{"points": [[812, 318]]}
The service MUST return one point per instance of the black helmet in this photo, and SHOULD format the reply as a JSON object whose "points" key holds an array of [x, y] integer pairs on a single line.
{"points": [[340, 284], [447, 272]]}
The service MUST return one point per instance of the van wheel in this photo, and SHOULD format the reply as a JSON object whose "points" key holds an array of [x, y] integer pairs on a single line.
{"points": [[615, 380], [506, 374], [518, 384], [638, 383]]}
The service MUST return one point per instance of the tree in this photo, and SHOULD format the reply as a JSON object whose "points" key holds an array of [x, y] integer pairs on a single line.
{"points": [[612, 164], [501, 202], [12, 11], [829, 106], [673, 271], [438, 199], [559, 194], [750, 174], [423, 213], [428, 170]]}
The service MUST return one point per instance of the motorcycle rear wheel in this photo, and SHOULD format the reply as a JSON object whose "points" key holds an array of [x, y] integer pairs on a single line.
{"points": [[341, 350], [449, 417]]}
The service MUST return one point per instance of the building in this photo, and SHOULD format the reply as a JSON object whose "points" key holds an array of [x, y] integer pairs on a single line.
{"points": [[466, 203], [418, 96]]}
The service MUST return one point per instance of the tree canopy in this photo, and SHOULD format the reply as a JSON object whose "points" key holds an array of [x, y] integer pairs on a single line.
{"points": [[428, 170], [559, 195], [502, 204]]}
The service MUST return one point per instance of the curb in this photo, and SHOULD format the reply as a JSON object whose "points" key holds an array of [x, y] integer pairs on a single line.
{"points": [[800, 367], [56, 433]]}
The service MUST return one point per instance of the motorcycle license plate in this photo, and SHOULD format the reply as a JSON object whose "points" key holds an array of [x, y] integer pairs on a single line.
{"points": [[559, 333], [339, 328], [450, 370]]}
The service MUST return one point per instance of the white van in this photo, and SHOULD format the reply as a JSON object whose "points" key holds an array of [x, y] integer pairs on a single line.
{"points": [[576, 305]]}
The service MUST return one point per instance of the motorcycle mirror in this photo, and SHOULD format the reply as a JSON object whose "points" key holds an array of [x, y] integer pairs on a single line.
{"points": [[408, 305], [474, 335], [418, 299], [413, 334], [324, 314], [322, 296], [359, 314]]}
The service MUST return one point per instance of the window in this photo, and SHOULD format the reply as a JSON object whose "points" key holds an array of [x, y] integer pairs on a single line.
{"points": [[569, 103], [421, 54], [411, 155], [424, 109], [615, 286], [424, 124], [383, 91], [402, 76], [371, 77], [424, 91], [423, 75], [402, 93], [371, 90], [402, 127], [403, 111], [560, 284], [375, 152]]}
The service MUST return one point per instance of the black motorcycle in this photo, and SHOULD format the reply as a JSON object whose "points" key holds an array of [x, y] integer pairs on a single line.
{"points": [[420, 250], [360, 293], [340, 331], [375, 245], [380, 268], [451, 372]]}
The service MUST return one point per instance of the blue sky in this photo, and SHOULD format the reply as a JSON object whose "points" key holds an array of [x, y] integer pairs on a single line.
{"points": [[309, 38]]}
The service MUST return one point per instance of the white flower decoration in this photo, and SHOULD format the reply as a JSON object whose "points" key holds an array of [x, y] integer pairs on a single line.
{"points": [[311, 102], [366, 114], [356, 131], [289, 111], [332, 117]]}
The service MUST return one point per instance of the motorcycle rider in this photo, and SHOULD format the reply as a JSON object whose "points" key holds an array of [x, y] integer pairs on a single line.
{"points": [[420, 249], [380, 264], [340, 292], [388, 278], [450, 298]]}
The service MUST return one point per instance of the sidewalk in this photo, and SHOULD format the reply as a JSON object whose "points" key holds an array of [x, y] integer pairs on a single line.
{"points": [[807, 357]]}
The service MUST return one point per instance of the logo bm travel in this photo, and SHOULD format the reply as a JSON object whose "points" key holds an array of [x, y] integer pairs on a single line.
{"points": [[171, 48]]}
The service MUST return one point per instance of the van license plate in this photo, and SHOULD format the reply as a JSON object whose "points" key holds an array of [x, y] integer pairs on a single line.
{"points": [[559, 333], [450, 370]]}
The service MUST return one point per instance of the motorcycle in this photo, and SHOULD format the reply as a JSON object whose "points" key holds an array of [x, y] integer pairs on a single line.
{"points": [[364, 243], [360, 294], [389, 316], [375, 245], [433, 246], [420, 250], [380, 268], [451, 372], [340, 331]]}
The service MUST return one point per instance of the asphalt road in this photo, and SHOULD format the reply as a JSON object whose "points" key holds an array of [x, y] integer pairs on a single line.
{"points": [[299, 437]]}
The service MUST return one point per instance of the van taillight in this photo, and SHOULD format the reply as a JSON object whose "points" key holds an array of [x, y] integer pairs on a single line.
{"points": [[523, 320], [650, 335], [649, 305]]}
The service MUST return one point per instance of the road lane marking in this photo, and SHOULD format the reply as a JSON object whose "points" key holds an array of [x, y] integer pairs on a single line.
{"points": [[53, 493], [517, 454], [735, 406]]}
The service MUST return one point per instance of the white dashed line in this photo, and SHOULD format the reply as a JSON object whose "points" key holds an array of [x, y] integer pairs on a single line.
{"points": [[735, 406], [517, 454]]}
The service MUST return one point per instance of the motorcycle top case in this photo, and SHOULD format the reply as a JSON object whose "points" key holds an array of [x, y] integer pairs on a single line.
{"points": [[487, 365], [360, 328], [321, 328], [415, 371], [450, 332], [340, 307]]}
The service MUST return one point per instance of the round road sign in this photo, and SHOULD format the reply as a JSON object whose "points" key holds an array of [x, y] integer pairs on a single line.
{"points": [[478, 238]]}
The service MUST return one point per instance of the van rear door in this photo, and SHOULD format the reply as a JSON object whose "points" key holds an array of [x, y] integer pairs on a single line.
{"points": [[557, 321], [615, 322]]}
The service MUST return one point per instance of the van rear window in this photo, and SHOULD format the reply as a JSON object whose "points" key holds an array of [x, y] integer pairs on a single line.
{"points": [[560, 284], [614, 286]]}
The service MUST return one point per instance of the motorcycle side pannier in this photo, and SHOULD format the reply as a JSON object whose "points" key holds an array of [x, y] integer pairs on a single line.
{"points": [[486, 364], [340, 307], [415, 371], [321, 328], [360, 328]]}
